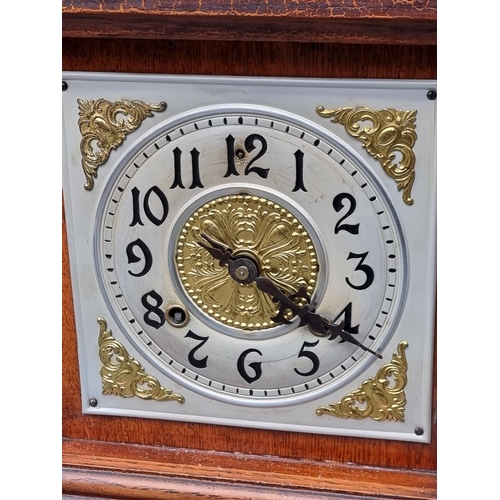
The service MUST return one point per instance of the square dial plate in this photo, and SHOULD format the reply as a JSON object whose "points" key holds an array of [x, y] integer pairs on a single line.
{"points": [[254, 252]]}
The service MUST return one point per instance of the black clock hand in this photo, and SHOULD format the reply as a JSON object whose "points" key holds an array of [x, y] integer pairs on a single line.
{"points": [[216, 250], [244, 270], [307, 315]]}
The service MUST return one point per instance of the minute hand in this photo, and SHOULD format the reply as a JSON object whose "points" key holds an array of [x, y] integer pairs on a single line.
{"points": [[307, 316], [267, 286]]}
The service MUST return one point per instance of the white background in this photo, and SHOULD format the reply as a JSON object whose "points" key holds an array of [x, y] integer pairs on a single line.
{"points": [[468, 297]]}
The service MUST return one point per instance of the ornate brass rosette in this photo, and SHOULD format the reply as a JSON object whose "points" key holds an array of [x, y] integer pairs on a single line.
{"points": [[255, 227]]}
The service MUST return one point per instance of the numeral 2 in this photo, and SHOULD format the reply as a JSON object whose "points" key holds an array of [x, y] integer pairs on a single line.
{"points": [[338, 205]]}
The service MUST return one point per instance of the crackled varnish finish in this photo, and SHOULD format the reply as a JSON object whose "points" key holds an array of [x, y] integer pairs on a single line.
{"points": [[363, 21], [181, 460]]}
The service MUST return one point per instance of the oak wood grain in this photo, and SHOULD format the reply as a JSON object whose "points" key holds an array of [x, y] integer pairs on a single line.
{"points": [[155, 469], [206, 444]]}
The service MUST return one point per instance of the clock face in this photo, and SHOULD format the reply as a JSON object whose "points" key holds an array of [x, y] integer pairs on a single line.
{"points": [[253, 252], [277, 190]]}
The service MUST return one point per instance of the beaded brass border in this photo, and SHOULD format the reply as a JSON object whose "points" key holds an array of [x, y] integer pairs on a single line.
{"points": [[250, 225]]}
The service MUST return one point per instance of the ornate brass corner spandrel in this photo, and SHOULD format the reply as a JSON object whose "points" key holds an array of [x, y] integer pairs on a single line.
{"points": [[104, 126], [124, 376], [392, 134], [380, 398]]}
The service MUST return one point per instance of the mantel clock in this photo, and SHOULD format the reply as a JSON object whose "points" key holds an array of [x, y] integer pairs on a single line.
{"points": [[254, 252]]}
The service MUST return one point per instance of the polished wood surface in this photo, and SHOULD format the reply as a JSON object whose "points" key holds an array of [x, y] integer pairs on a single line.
{"points": [[365, 21], [195, 450], [113, 469], [249, 58]]}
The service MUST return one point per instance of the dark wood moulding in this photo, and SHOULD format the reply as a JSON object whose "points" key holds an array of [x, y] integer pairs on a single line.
{"points": [[366, 22]]}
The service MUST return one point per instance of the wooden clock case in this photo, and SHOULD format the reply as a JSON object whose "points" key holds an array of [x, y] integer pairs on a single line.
{"points": [[132, 458]]}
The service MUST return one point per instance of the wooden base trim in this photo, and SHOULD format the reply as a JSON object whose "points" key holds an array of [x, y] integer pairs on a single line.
{"points": [[120, 471], [126, 486]]}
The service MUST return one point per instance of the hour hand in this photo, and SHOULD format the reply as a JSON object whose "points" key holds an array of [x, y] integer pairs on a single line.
{"points": [[217, 250], [241, 268]]}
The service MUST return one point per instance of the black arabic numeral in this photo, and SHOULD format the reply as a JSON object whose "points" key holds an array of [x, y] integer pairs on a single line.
{"points": [[133, 257], [197, 363], [338, 205], [309, 355], [299, 171], [195, 169], [136, 210], [365, 268], [177, 169], [231, 166], [136, 216], [154, 316], [347, 314], [250, 146], [255, 365]]}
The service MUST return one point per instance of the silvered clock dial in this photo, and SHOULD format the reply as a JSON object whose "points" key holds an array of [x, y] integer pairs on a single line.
{"points": [[248, 259]]}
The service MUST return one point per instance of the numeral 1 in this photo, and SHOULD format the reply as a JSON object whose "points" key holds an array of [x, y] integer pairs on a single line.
{"points": [[299, 171]]}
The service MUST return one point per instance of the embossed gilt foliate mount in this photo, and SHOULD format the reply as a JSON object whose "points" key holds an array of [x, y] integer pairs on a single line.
{"points": [[122, 375], [104, 126], [380, 398], [392, 132]]}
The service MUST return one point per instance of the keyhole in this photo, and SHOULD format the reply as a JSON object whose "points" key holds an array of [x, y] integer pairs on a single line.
{"points": [[177, 316]]}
